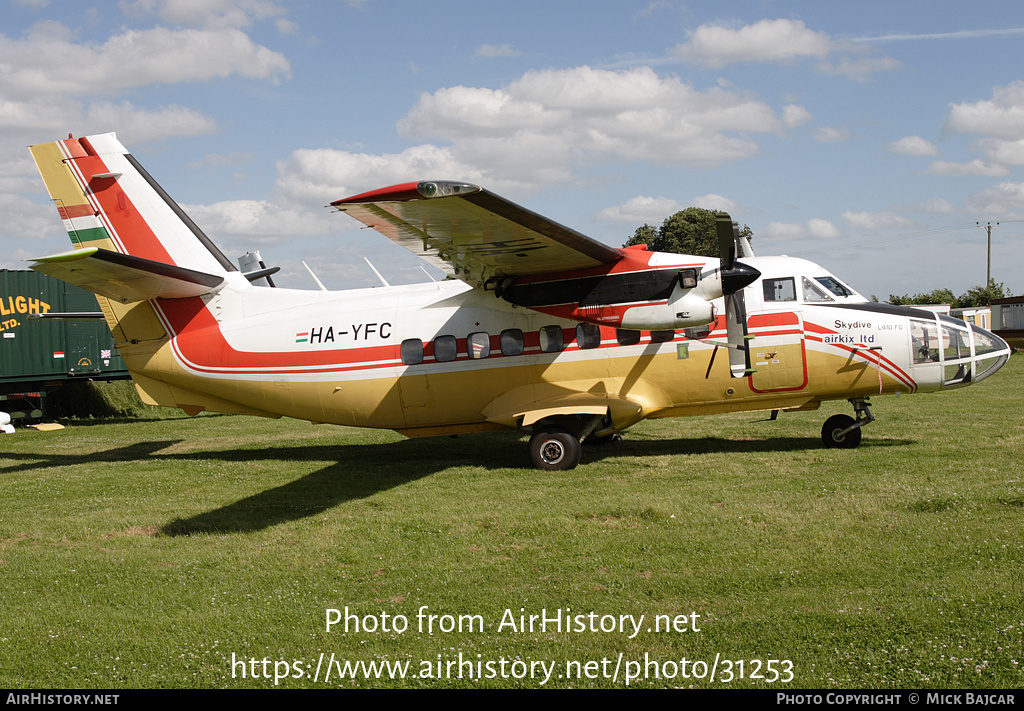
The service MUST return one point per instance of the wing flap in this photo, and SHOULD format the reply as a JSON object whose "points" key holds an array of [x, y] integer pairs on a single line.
{"points": [[474, 234], [126, 278]]}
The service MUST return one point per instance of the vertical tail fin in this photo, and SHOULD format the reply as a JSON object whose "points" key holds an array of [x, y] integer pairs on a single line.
{"points": [[107, 200]]}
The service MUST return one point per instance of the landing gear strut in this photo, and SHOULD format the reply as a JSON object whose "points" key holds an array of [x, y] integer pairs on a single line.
{"points": [[842, 431]]}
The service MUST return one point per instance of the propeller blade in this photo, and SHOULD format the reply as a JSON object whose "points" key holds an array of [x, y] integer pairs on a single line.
{"points": [[727, 234], [736, 334]]}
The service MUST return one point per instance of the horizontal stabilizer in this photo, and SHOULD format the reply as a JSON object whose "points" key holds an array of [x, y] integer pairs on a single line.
{"points": [[126, 278]]}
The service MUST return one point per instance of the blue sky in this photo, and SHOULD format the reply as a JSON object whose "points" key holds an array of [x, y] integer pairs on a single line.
{"points": [[869, 137]]}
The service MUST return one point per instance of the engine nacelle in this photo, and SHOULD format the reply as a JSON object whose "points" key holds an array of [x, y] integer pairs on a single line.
{"points": [[687, 312]]}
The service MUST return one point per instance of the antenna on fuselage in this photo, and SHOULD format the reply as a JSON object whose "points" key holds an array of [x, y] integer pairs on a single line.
{"points": [[318, 282], [429, 276], [382, 279]]}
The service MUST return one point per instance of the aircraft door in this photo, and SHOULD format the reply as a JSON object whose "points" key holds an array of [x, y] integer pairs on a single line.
{"points": [[777, 353]]}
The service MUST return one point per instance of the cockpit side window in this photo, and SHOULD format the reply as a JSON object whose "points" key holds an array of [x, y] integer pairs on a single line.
{"points": [[812, 293], [783, 289], [925, 341]]}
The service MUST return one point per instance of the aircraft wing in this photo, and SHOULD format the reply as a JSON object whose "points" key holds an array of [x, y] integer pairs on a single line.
{"points": [[473, 234]]}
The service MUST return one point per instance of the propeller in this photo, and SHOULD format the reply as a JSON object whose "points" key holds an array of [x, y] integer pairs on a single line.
{"points": [[735, 276]]}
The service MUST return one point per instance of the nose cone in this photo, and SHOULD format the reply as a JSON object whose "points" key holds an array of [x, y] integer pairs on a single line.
{"points": [[739, 276], [990, 352]]}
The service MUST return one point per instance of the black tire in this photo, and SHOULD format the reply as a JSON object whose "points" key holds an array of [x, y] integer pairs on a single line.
{"points": [[555, 449], [836, 424]]}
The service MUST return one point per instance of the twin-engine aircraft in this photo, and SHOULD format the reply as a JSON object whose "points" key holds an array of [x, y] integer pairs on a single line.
{"points": [[542, 329]]}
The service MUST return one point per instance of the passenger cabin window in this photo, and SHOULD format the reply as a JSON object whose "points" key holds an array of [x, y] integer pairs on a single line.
{"points": [[626, 337], [412, 351], [779, 289], [478, 345], [662, 336], [588, 335], [812, 293], [445, 348], [511, 342], [551, 339]]}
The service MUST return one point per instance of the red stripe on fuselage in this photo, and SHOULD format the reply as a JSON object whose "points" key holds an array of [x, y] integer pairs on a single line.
{"points": [[201, 344]]}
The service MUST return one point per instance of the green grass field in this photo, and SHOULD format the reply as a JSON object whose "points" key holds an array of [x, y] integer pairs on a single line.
{"points": [[172, 552]]}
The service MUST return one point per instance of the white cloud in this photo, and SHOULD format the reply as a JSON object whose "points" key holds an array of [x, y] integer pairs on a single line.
{"points": [[1001, 117], [785, 230], [765, 41], [794, 116], [818, 228], [860, 68], [827, 134], [712, 201], [208, 14], [490, 51], [913, 146], [641, 210], [286, 26], [1005, 199], [1005, 152], [47, 61], [259, 221], [938, 206], [318, 176], [548, 123], [875, 220], [781, 42], [50, 117], [974, 167], [27, 220], [141, 125]]}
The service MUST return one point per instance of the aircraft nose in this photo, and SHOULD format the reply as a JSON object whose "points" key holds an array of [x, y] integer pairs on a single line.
{"points": [[990, 352]]}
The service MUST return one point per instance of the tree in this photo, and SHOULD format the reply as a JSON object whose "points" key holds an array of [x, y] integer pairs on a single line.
{"points": [[973, 297], [982, 295], [689, 231], [938, 296]]}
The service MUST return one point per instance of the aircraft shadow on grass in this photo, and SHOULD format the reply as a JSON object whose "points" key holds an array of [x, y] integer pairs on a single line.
{"points": [[359, 471]]}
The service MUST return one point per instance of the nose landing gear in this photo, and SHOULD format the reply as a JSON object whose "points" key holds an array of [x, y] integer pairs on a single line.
{"points": [[843, 431]]}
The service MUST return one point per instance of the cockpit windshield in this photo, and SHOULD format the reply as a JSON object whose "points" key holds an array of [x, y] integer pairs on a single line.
{"points": [[812, 293], [834, 285]]}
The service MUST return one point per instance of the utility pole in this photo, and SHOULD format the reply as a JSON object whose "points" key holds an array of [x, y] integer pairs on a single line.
{"points": [[988, 270]]}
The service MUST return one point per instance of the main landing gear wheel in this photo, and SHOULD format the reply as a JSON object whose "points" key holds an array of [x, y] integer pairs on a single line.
{"points": [[555, 449], [830, 433]]}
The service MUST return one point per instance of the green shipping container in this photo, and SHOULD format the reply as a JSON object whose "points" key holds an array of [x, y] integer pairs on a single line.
{"points": [[37, 355]]}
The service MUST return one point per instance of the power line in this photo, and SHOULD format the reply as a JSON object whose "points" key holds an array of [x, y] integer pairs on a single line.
{"points": [[900, 237], [895, 238]]}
